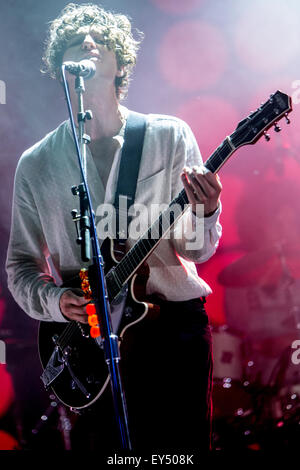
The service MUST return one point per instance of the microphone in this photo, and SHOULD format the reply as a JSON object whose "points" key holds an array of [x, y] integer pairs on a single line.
{"points": [[84, 68]]}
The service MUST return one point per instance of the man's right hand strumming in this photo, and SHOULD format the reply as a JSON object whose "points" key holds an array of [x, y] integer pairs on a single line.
{"points": [[72, 306]]}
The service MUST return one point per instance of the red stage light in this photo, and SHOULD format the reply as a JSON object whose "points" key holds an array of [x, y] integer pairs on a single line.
{"points": [[8, 442], [7, 394]]}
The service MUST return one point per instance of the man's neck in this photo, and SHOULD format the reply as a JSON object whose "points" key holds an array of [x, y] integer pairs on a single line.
{"points": [[107, 119], [106, 123]]}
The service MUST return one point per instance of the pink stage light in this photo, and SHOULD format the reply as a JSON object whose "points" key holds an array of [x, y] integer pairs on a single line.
{"points": [[193, 55], [211, 118], [171, 6], [267, 35]]}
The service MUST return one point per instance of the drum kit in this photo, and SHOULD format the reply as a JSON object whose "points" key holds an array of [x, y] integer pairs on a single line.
{"points": [[256, 383]]}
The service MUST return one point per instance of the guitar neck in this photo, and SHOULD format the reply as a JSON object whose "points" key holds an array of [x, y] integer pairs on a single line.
{"points": [[152, 237], [248, 131], [221, 154]]}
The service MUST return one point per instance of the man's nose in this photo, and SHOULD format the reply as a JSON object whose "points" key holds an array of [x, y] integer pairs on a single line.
{"points": [[88, 43]]}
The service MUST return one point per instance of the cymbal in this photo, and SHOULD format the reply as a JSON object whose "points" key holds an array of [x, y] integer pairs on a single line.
{"points": [[265, 267]]}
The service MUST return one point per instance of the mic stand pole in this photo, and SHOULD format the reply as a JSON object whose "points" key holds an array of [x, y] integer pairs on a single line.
{"points": [[88, 233]]}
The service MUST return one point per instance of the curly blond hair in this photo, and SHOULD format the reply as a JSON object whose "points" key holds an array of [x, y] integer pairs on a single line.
{"points": [[114, 28]]}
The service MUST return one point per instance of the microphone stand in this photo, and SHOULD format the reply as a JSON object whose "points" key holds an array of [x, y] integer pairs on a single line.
{"points": [[88, 236]]}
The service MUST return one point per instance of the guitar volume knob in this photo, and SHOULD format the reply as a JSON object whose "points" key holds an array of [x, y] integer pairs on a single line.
{"points": [[128, 312]]}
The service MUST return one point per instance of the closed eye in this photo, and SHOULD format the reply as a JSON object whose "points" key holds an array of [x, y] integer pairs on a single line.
{"points": [[80, 38], [76, 41], [99, 41]]}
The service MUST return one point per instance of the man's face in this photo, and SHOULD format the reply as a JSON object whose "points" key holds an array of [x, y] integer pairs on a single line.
{"points": [[89, 44]]}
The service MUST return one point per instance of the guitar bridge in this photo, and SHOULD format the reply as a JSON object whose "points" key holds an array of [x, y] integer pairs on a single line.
{"points": [[54, 368]]}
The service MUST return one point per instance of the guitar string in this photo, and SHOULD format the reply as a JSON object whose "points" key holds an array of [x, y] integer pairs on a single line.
{"points": [[133, 259], [213, 163], [67, 334], [132, 256]]}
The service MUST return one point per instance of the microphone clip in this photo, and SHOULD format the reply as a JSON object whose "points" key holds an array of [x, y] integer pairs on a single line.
{"points": [[85, 68]]}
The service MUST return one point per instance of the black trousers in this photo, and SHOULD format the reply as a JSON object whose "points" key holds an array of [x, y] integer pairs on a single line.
{"points": [[167, 375]]}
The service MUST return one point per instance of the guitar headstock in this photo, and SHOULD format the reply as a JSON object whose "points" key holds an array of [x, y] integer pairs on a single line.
{"points": [[257, 123]]}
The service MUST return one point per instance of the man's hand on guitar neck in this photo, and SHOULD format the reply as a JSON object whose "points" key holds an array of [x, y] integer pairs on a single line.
{"points": [[202, 187], [72, 306]]}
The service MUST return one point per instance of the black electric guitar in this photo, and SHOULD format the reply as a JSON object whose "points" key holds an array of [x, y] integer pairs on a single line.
{"points": [[73, 361]]}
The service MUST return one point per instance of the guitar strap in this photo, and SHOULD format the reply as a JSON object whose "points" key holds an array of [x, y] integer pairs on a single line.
{"points": [[128, 171]]}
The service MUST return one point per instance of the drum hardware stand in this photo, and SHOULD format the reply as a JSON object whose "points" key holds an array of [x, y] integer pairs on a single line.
{"points": [[65, 425], [88, 237]]}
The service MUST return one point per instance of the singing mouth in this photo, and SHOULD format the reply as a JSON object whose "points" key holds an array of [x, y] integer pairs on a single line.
{"points": [[94, 56]]}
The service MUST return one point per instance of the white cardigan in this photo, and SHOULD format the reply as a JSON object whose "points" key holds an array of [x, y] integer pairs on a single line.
{"points": [[42, 224]]}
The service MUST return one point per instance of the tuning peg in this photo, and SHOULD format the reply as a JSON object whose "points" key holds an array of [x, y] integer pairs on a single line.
{"points": [[276, 127], [287, 118], [267, 136]]}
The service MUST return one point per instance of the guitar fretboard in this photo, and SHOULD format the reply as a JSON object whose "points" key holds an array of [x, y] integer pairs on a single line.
{"points": [[220, 155]]}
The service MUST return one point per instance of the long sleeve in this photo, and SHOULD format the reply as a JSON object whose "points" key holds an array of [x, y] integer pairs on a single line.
{"points": [[29, 279], [196, 238]]}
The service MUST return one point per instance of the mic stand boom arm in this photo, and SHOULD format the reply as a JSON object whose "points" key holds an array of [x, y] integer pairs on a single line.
{"points": [[88, 233]]}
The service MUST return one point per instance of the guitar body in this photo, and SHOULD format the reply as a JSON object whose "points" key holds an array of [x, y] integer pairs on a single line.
{"points": [[84, 381]]}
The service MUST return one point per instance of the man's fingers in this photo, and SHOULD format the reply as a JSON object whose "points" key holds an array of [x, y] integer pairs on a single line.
{"points": [[202, 187], [75, 313], [189, 190], [207, 177], [76, 310], [74, 299], [203, 183], [73, 306], [209, 182], [76, 317], [197, 193]]}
